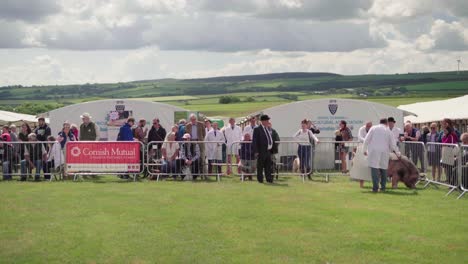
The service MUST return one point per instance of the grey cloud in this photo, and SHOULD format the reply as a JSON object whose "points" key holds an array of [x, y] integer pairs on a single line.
{"points": [[12, 34], [28, 10], [236, 34], [95, 37], [294, 9]]}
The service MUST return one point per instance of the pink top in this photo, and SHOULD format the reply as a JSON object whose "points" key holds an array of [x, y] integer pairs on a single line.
{"points": [[450, 138]]}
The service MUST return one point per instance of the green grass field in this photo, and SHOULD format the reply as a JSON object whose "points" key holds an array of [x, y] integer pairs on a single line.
{"points": [[111, 221]]}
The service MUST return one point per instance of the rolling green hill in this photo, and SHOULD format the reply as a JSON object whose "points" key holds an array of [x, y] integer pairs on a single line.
{"points": [[254, 91]]}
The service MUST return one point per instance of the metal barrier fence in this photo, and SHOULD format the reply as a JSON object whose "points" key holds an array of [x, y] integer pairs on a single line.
{"points": [[121, 158], [463, 170], [187, 160], [31, 159], [288, 158], [443, 165], [417, 152], [334, 157]]}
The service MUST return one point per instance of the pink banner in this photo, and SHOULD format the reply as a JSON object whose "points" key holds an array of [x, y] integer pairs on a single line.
{"points": [[102, 156]]}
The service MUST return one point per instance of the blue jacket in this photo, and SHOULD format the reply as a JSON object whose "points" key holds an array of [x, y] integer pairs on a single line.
{"points": [[181, 133], [125, 133]]}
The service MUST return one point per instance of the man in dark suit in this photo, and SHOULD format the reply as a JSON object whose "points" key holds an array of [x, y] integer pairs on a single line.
{"points": [[263, 144]]}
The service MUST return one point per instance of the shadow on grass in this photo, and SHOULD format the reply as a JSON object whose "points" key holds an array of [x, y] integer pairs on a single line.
{"points": [[398, 192]]}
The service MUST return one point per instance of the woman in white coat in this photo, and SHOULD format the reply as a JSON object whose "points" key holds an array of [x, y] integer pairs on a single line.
{"points": [[214, 145], [378, 144]]}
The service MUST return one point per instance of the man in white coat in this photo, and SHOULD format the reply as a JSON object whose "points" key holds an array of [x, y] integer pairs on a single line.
{"points": [[364, 130], [248, 129], [214, 140], [232, 133], [378, 144]]}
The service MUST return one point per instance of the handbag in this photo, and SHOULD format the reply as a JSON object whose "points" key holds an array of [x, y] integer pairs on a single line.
{"points": [[448, 155]]}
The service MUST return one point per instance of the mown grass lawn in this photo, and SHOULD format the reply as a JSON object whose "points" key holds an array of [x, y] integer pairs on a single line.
{"points": [[112, 221]]}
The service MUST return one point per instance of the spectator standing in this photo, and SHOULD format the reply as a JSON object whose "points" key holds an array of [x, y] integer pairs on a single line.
{"points": [[34, 156], [89, 131], [66, 134], [396, 131], [42, 133], [413, 150], [263, 143], [247, 157], [126, 133], [232, 133], [25, 131], [434, 151], [157, 133], [344, 150], [208, 126], [304, 151], [197, 132], [190, 154], [248, 129], [8, 157], [181, 130], [141, 130], [214, 140], [313, 127]]}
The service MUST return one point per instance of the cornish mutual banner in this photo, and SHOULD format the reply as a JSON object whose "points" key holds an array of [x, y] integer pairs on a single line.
{"points": [[82, 156]]}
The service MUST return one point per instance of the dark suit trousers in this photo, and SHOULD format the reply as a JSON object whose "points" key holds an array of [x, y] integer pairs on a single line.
{"points": [[264, 163]]}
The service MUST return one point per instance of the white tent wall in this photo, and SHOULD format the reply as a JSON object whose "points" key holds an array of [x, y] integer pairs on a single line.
{"points": [[434, 111], [287, 118], [110, 114], [326, 114]]}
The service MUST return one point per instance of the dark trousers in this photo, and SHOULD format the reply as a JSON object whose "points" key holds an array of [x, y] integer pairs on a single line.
{"points": [[264, 162], [375, 179], [217, 169], [304, 153]]}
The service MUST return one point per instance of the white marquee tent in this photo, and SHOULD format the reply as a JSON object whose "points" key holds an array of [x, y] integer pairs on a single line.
{"points": [[327, 113], [434, 111], [454, 108], [110, 114], [7, 118]]}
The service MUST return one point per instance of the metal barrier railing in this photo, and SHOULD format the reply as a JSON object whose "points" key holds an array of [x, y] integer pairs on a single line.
{"points": [[334, 157], [187, 159], [416, 152], [463, 170], [442, 161], [31, 159], [121, 158], [288, 158]]}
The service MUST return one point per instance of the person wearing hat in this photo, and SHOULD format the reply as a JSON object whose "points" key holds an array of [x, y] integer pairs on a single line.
{"points": [[396, 131], [190, 154], [263, 143], [89, 131]]}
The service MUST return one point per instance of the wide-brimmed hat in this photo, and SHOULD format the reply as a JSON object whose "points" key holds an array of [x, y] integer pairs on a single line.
{"points": [[264, 118], [86, 115]]}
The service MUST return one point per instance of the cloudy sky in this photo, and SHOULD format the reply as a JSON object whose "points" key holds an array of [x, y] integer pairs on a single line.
{"points": [[80, 41]]}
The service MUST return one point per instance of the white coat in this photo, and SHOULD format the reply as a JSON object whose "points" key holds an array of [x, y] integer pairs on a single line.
{"points": [[232, 135], [362, 134], [214, 150], [379, 143], [56, 154]]}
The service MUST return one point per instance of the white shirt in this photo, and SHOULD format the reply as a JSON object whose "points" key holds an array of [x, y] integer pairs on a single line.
{"points": [[56, 154], [396, 132], [379, 143], [248, 130], [306, 136], [170, 149], [362, 133], [232, 135], [207, 130], [214, 150]]}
